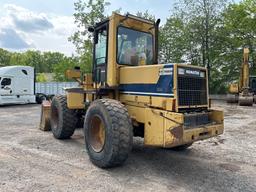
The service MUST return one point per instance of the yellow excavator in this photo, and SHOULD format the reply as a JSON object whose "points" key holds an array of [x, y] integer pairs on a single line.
{"points": [[244, 91]]}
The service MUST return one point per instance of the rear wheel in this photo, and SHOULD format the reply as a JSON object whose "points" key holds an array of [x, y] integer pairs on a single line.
{"points": [[108, 133], [63, 120]]}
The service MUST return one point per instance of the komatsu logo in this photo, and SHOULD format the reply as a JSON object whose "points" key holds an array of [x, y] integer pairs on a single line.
{"points": [[192, 72], [182, 71]]}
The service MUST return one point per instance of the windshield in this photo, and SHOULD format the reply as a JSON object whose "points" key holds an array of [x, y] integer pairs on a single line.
{"points": [[134, 47]]}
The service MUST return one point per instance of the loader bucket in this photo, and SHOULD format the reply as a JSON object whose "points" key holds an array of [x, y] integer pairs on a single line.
{"points": [[45, 116], [245, 100]]}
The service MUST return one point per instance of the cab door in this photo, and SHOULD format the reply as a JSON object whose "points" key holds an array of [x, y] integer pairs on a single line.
{"points": [[100, 54], [6, 86]]}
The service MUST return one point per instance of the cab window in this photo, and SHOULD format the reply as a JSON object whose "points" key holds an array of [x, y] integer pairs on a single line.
{"points": [[134, 47], [24, 71], [101, 47], [5, 82]]}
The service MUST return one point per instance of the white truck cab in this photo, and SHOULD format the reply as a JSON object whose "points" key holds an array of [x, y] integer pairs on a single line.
{"points": [[17, 85]]}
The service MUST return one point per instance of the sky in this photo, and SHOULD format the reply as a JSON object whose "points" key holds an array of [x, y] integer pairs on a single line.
{"points": [[45, 25]]}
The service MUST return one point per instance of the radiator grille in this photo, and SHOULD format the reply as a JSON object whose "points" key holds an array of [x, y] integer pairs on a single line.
{"points": [[192, 90]]}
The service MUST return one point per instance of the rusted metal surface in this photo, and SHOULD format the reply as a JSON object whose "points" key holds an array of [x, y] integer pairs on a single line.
{"points": [[45, 116], [177, 132]]}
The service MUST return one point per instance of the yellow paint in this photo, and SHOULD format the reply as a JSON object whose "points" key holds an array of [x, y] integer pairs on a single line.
{"points": [[202, 133], [148, 101], [243, 83], [175, 83], [88, 83], [233, 88], [75, 100], [114, 21], [148, 74], [154, 128], [217, 116], [176, 123], [160, 125], [73, 74], [136, 113]]}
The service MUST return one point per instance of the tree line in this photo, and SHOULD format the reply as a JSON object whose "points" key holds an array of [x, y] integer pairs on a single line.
{"points": [[43, 62], [209, 33]]}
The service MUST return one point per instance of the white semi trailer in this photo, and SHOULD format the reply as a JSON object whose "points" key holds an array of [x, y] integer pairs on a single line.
{"points": [[18, 86]]}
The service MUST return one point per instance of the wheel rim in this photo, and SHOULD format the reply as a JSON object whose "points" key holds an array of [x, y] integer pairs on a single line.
{"points": [[54, 117], [97, 134]]}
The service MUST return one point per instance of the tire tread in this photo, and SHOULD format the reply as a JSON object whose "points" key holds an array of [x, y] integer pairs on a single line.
{"points": [[69, 119]]}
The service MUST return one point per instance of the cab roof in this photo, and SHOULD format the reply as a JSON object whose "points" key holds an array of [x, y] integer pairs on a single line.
{"points": [[12, 70]]}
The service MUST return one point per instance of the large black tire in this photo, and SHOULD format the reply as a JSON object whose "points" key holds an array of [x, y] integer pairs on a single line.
{"points": [[63, 120], [40, 97], [118, 133]]}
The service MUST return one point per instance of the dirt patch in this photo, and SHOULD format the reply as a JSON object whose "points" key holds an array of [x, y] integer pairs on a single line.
{"points": [[32, 160]]}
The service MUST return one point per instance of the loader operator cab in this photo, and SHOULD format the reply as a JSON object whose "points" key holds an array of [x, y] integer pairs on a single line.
{"points": [[132, 43]]}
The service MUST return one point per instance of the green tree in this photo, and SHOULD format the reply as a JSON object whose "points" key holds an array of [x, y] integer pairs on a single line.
{"points": [[5, 57], [40, 77], [50, 59], [191, 34], [239, 25], [47, 62], [87, 13], [17, 59], [173, 44], [60, 68]]}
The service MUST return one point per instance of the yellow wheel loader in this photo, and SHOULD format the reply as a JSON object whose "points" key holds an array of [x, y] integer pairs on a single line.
{"points": [[243, 92], [128, 94]]}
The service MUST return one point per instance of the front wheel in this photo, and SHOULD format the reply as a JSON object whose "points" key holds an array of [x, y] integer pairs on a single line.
{"points": [[108, 133], [63, 120]]}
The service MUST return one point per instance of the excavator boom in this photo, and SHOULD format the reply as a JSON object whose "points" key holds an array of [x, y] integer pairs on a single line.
{"points": [[241, 92]]}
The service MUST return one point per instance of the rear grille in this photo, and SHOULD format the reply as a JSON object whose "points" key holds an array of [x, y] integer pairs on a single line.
{"points": [[192, 89]]}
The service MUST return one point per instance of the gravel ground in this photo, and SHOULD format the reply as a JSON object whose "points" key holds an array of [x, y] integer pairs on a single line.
{"points": [[32, 160]]}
